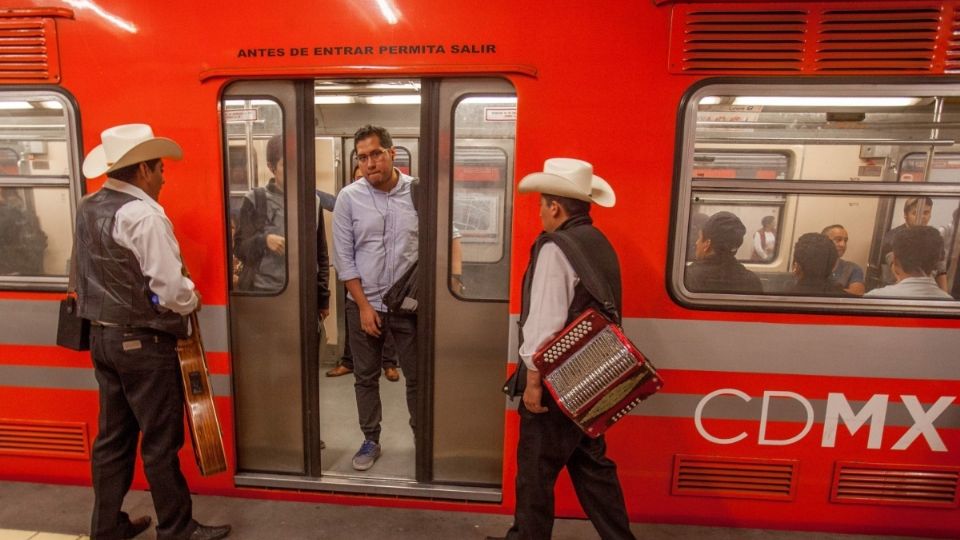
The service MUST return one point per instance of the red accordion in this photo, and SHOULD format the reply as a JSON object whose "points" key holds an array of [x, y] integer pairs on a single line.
{"points": [[595, 373]]}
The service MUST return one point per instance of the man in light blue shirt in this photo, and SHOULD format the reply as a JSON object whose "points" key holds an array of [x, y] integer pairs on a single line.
{"points": [[375, 238]]}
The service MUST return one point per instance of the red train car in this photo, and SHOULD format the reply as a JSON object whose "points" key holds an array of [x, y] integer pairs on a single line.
{"points": [[782, 408]]}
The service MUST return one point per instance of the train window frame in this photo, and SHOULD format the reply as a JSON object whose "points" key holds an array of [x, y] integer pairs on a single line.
{"points": [[254, 167], [72, 181], [686, 187]]}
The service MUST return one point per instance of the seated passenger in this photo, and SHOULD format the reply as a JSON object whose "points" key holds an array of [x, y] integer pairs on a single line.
{"points": [[917, 252], [848, 274], [814, 257], [916, 213], [716, 268]]}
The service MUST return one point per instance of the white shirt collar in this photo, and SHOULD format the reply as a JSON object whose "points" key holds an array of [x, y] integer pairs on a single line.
{"points": [[134, 191]]}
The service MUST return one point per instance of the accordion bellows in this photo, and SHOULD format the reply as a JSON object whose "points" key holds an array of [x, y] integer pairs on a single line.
{"points": [[595, 374]]}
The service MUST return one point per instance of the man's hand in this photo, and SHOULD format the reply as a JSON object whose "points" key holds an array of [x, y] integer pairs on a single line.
{"points": [[370, 320], [533, 394], [276, 244], [324, 313]]}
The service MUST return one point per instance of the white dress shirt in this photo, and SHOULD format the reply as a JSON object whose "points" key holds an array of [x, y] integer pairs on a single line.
{"points": [[142, 227], [551, 294]]}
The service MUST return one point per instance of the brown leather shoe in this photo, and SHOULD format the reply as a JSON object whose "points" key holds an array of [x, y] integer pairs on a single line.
{"points": [[339, 370], [137, 526], [391, 374]]}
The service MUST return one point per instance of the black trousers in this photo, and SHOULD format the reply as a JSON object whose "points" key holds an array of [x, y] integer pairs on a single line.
{"points": [[140, 394], [548, 443], [368, 358]]}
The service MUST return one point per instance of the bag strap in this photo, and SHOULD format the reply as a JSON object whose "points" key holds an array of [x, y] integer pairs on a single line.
{"points": [[413, 193], [72, 280], [598, 288], [260, 205]]}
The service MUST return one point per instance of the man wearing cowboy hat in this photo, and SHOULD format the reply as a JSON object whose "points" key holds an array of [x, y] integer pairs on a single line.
{"points": [[555, 293], [131, 286]]}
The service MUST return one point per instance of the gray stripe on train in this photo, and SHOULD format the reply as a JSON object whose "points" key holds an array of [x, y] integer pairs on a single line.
{"points": [[77, 379], [34, 322], [796, 349]]}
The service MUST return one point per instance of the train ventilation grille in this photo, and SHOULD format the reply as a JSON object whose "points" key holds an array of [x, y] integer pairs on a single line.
{"points": [[44, 439], [953, 46], [743, 41], [28, 51], [735, 477], [903, 485], [878, 40], [765, 38]]}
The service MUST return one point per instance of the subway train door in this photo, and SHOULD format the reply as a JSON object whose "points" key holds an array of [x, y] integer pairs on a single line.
{"points": [[474, 158], [273, 321]]}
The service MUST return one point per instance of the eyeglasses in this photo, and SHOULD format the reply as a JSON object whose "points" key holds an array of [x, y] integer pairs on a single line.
{"points": [[374, 155]]}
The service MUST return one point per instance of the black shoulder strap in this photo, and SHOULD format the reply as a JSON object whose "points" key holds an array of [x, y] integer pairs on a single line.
{"points": [[413, 193], [598, 288], [260, 205]]}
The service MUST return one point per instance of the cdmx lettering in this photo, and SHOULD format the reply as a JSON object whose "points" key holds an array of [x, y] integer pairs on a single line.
{"points": [[838, 409]]}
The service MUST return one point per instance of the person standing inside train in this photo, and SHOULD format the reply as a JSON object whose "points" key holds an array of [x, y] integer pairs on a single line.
{"points": [[553, 295], [260, 239], [132, 286], [847, 274], [345, 365], [375, 238], [765, 240]]}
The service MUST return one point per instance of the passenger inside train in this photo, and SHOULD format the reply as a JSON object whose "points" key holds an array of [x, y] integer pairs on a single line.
{"points": [[847, 274], [814, 258], [917, 252]]}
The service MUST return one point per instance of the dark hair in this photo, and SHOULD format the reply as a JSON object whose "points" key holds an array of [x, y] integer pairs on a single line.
{"points": [[911, 203], [368, 130], [816, 256], [725, 232], [573, 207], [767, 220], [274, 151], [128, 173], [829, 228], [918, 249]]}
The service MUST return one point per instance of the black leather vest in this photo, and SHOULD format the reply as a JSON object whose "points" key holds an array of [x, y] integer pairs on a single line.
{"points": [[595, 262], [110, 286]]}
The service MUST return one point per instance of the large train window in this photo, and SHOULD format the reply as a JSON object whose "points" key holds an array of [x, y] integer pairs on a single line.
{"points": [[39, 188], [256, 178], [484, 131], [819, 197]]}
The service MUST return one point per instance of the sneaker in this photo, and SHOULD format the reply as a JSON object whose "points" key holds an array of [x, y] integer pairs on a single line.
{"points": [[366, 456]]}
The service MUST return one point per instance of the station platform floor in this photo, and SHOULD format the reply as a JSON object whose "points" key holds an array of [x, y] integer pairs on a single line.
{"points": [[52, 512]]}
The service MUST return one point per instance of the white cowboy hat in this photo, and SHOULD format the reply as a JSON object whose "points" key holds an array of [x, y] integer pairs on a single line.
{"points": [[567, 177], [128, 144]]}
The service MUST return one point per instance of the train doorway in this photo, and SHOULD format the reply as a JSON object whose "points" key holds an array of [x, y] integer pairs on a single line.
{"points": [[296, 427]]}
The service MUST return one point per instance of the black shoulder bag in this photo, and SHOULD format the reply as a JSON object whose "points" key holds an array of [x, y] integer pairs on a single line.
{"points": [[73, 332], [403, 296]]}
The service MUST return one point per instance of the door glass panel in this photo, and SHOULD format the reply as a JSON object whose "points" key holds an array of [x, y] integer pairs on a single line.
{"points": [[256, 180], [484, 128]]}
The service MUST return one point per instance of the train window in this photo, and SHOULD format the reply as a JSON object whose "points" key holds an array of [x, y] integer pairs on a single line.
{"points": [[484, 130], [255, 179], [774, 177], [39, 186]]}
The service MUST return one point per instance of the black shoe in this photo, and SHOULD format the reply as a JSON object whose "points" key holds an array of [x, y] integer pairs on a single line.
{"points": [[208, 532], [137, 526]]}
